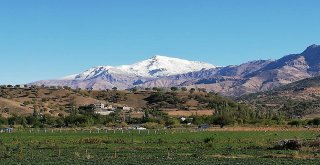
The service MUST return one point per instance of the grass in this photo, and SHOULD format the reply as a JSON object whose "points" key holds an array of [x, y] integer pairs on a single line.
{"points": [[155, 147]]}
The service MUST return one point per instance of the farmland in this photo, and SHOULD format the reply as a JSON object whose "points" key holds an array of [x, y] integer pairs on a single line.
{"points": [[178, 146]]}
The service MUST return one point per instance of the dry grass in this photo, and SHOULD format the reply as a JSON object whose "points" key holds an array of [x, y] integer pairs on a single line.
{"points": [[49, 100], [136, 100], [13, 106], [312, 116]]}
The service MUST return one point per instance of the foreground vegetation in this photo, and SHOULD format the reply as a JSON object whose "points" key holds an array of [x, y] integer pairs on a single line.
{"points": [[58, 125], [40, 107], [187, 146]]}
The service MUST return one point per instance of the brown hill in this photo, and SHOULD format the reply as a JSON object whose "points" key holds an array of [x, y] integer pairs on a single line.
{"points": [[54, 101], [298, 99], [61, 101]]}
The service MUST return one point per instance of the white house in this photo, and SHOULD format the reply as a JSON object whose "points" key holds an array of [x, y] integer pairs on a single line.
{"points": [[103, 112], [126, 108], [99, 106]]}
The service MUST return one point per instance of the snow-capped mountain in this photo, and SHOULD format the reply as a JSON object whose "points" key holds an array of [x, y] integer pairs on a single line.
{"points": [[157, 66], [233, 80], [127, 76]]}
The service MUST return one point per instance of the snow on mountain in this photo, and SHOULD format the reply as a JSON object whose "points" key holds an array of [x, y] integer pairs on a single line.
{"points": [[157, 66]]}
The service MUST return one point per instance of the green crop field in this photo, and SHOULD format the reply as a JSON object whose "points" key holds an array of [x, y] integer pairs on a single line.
{"points": [[154, 147]]}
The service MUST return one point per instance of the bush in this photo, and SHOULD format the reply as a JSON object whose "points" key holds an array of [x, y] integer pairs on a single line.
{"points": [[288, 145], [223, 120], [153, 125], [316, 121], [295, 123]]}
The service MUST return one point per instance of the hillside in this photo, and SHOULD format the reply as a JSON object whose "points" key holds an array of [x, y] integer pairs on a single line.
{"points": [[59, 101], [53, 101], [298, 99], [249, 77]]}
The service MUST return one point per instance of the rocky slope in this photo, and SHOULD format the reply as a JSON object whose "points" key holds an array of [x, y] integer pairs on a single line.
{"points": [[298, 99], [249, 77]]}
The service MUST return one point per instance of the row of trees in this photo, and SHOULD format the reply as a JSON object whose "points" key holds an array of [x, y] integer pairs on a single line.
{"points": [[150, 121]]}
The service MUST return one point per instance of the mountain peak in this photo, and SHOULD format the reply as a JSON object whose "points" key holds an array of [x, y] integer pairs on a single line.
{"points": [[159, 56], [156, 66], [312, 49], [314, 46]]}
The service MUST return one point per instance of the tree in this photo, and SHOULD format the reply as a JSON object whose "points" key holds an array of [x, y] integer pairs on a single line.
{"points": [[134, 89], [316, 121], [3, 121], [192, 90], [184, 89], [223, 120], [174, 88], [172, 122], [295, 123], [156, 89], [202, 90], [114, 88]]}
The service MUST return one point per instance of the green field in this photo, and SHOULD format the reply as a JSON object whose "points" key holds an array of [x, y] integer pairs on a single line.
{"points": [[153, 147]]}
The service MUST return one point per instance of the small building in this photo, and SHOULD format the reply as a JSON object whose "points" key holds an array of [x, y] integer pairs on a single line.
{"points": [[103, 112], [140, 128], [99, 106], [7, 130], [103, 109], [183, 119], [126, 108], [109, 107]]}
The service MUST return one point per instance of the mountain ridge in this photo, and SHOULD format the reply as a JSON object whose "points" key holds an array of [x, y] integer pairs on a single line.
{"points": [[232, 80]]}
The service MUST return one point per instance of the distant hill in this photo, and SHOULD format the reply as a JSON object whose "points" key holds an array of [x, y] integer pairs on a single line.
{"points": [[298, 99], [53, 101], [59, 101]]}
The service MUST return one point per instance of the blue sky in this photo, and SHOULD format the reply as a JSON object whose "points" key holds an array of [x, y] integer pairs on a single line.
{"points": [[43, 39]]}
